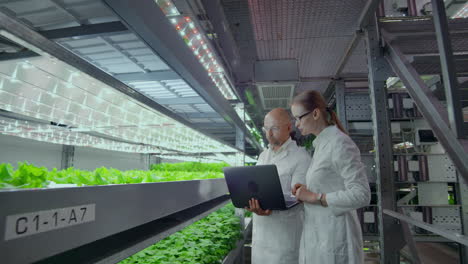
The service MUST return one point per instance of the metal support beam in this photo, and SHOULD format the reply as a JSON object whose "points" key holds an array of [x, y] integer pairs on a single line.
{"points": [[390, 232], [410, 241], [429, 227], [85, 30], [432, 109], [366, 14], [240, 143], [349, 50], [215, 126], [68, 153], [412, 8], [444, 43], [201, 115], [18, 55], [341, 103], [462, 198], [215, 12], [147, 20]]}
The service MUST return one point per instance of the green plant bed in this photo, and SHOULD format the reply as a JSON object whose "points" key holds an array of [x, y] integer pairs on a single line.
{"points": [[207, 241], [190, 166], [31, 176]]}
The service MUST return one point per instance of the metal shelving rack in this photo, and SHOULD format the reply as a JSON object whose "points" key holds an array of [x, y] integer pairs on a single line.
{"points": [[105, 224], [390, 43]]}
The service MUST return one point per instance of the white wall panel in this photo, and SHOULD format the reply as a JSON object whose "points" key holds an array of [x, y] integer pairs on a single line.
{"points": [[14, 149], [91, 158]]}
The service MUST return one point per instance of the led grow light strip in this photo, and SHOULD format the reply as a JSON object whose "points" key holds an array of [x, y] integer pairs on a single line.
{"points": [[234, 160], [200, 47], [63, 136], [48, 89]]}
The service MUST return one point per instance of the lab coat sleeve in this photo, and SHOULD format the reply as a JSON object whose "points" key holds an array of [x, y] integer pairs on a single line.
{"points": [[303, 163], [346, 160]]}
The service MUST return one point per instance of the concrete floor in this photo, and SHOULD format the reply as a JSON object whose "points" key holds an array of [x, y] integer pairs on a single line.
{"points": [[429, 253], [436, 253]]}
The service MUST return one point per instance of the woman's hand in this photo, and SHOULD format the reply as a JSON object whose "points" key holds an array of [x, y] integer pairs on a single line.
{"points": [[296, 186], [304, 195], [254, 206]]}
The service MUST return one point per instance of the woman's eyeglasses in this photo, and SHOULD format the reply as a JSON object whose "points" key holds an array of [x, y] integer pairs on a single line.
{"points": [[298, 119]]}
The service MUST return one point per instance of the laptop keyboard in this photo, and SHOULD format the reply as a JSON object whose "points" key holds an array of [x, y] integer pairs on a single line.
{"points": [[289, 200]]}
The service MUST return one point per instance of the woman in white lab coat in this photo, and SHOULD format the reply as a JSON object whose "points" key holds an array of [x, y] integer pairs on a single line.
{"points": [[336, 185]]}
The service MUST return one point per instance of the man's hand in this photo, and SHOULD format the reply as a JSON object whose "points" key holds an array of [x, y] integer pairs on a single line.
{"points": [[254, 207], [296, 186], [304, 195]]}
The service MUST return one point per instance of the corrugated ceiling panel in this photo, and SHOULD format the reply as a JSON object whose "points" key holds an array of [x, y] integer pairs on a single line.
{"points": [[182, 108], [292, 19], [45, 15], [357, 62], [78, 43], [320, 86], [314, 32], [218, 120], [204, 108], [123, 37], [154, 65], [200, 120], [317, 57], [122, 68], [104, 55], [142, 51], [131, 45], [93, 49], [115, 53]]}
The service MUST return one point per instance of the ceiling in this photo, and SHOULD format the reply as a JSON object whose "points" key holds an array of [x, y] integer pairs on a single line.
{"points": [[315, 33]]}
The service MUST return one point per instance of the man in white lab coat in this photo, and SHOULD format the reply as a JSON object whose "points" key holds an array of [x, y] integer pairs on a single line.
{"points": [[276, 234]]}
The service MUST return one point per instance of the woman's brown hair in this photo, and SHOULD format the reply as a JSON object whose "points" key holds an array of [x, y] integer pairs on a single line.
{"points": [[313, 99]]}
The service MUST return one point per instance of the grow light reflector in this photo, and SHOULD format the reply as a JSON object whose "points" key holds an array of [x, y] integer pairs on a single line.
{"points": [[64, 136]]}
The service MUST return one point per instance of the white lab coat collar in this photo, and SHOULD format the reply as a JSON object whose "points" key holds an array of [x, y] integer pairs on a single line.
{"points": [[325, 136], [281, 152], [282, 148]]}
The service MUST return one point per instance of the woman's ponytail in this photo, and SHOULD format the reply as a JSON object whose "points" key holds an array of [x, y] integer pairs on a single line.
{"points": [[335, 121]]}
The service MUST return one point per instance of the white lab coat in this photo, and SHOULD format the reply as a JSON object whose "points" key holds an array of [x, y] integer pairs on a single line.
{"points": [[332, 235], [275, 238]]}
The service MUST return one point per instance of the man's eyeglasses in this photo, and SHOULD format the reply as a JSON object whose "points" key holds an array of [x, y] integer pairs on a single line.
{"points": [[298, 119]]}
